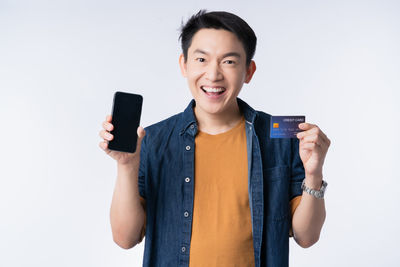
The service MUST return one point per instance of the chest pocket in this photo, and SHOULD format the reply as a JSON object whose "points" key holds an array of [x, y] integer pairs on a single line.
{"points": [[276, 196]]}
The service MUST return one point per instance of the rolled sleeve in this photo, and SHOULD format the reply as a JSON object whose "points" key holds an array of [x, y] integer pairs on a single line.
{"points": [[297, 170], [142, 168], [293, 206], [143, 232]]}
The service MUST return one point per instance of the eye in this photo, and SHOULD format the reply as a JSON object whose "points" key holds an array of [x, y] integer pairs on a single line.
{"points": [[230, 62], [200, 59]]}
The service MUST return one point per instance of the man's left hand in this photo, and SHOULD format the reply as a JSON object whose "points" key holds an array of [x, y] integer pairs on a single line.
{"points": [[314, 145]]}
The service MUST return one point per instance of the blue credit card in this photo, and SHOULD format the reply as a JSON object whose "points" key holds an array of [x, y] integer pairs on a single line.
{"points": [[285, 126]]}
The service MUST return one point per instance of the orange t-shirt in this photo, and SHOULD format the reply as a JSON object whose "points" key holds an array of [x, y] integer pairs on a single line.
{"points": [[221, 227]]}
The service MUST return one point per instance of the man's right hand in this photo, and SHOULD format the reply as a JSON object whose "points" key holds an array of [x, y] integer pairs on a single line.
{"points": [[127, 214], [121, 157]]}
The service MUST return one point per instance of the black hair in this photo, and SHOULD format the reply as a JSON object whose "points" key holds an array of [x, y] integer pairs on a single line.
{"points": [[219, 20]]}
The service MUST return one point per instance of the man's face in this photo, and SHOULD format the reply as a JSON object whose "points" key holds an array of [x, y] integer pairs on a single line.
{"points": [[216, 70]]}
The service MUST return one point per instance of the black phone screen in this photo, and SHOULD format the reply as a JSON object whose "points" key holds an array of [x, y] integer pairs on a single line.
{"points": [[126, 112]]}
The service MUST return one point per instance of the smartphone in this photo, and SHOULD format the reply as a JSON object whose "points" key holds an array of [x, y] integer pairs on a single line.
{"points": [[126, 112]]}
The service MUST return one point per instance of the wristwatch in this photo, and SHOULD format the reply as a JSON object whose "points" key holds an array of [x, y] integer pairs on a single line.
{"points": [[316, 193]]}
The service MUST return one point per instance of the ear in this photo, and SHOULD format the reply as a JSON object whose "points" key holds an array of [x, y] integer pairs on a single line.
{"points": [[182, 65], [250, 71]]}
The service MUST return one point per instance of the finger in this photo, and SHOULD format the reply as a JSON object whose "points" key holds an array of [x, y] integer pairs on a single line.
{"points": [[306, 132], [328, 141], [316, 129], [108, 126], [313, 138], [108, 118], [103, 145], [325, 138], [306, 126], [313, 130], [106, 135], [310, 146], [141, 133], [316, 138], [321, 135]]}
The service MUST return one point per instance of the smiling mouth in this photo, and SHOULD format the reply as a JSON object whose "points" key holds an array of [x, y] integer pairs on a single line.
{"points": [[213, 90]]}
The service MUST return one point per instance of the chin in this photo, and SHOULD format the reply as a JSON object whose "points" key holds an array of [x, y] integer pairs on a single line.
{"points": [[211, 108]]}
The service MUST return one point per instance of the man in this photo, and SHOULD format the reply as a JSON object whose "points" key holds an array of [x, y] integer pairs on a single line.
{"points": [[207, 186]]}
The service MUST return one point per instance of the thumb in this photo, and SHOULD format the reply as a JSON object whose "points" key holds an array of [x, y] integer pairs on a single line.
{"points": [[141, 133]]}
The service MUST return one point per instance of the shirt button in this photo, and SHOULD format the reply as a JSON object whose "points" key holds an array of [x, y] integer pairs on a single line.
{"points": [[187, 179], [187, 147], [183, 249], [186, 214], [192, 126]]}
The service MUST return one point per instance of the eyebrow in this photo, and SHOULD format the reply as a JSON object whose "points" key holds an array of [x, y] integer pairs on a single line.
{"points": [[229, 54]]}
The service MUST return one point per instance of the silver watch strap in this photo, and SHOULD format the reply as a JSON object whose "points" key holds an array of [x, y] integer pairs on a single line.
{"points": [[316, 193]]}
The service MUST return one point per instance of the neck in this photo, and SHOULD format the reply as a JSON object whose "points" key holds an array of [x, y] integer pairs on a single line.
{"points": [[218, 123]]}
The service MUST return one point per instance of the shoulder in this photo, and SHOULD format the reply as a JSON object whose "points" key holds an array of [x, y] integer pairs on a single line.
{"points": [[160, 130], [262, 120], [164, 124], [263, 116]]}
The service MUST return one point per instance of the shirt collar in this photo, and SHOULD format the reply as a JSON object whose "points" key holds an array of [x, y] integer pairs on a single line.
{"points": [[190, 122]]}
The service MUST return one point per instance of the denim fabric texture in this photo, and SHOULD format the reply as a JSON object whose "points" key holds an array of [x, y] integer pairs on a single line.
{"points": [[166, 181]]}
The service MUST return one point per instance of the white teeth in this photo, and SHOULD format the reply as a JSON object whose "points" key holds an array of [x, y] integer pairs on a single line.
{"points": [[213, 90]]}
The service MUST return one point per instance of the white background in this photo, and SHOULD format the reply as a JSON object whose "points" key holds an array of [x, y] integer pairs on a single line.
{"points": [[337, 62]]}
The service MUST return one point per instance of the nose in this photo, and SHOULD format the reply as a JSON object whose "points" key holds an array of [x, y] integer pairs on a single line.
{"points": [[213, 72]]}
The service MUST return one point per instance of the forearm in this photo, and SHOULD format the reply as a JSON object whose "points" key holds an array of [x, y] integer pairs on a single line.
{"points": [[126, 213], [309, 216]]}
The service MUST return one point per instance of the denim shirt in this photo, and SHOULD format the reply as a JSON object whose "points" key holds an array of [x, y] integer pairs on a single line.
{"points": [[166, 181]]}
